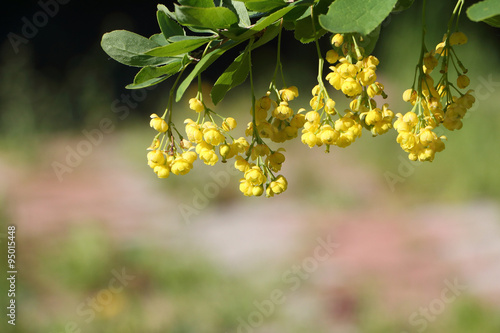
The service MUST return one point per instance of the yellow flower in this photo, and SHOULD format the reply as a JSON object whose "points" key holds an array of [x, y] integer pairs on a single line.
{"points": [[309, 139], [332, 56], [367, 77], [440, 49], [180, 166], [330, 107], [255, 176], [229, 124], [291, 132], [277, 187], [203, 146], [370, 62], [328, 135], [209, 157], [298, 120], [224, 151], [155, 157], [275, 161], [189, 156], [316, 103], [162, 171], [193, 132], [313, 117], [246, 187], [375, 89], [241, 164], [265, 130], [241, 145], [158, 123], [351, 87], [335, 79], [212, 136], [430, 62], [407, 140], [283, 111], [289, 93], [427, 137], [263, 103], [257, 191], [347, 70], [411, 118], [196, 105], [409, 95], [458, 38], [373, 116], [185, 144], [260, 150], [337, 40], [463, 81]]}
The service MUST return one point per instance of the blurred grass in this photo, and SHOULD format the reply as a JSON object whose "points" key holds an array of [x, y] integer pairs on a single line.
{"points": [[172, 290]]}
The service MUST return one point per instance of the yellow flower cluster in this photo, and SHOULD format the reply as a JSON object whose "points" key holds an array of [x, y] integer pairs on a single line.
{"points": [[178, 164], [434, 104], [356, 79], [280, 125], [283, 123], [202, 137], [273, 119]]}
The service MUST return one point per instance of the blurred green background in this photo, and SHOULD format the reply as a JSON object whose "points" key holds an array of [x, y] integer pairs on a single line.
{"points": [[108, 247]]}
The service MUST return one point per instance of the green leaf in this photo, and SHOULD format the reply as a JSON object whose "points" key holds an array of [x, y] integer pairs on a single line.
{"points": [[203, 64], [149, 76], [361, 16], [402, 5], [185, 45], [197, 3], [129, 48], [370, 41], [165, 10], [264, 5], [304, 31], [265, 22], [233, 76], [271, 32], [168, 26], [493, 21], [159, 39], [487, 11], [297, 13], [240, 10], [211, 18]]}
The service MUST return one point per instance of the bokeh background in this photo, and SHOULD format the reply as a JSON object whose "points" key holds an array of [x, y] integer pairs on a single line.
{"points": [[362, 241]]}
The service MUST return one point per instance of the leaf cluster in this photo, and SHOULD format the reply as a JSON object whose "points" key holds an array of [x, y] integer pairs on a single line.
{"points": [[198, 32]]}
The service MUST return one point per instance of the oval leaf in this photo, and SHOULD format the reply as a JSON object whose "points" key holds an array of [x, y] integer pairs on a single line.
{"points": [[233, 76], [187, 44], [149, 75], [487, 11], [129, 48], [197, 3], [147, 83], [265, 22], [168, 26], [241, 11], [264, 5], [361, 16], [211, 18]]}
